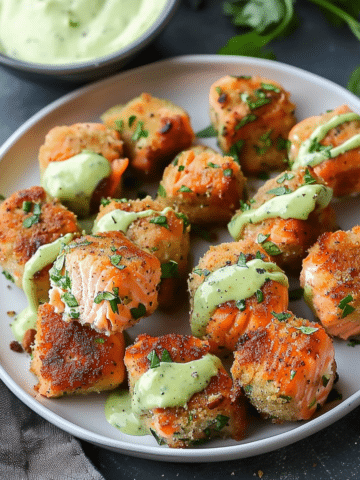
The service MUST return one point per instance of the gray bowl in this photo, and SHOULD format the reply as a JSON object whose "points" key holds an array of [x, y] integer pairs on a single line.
{"points": [[97, 68]]}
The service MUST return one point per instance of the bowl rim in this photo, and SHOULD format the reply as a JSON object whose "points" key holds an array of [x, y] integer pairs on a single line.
{"points": [[99, 62]]}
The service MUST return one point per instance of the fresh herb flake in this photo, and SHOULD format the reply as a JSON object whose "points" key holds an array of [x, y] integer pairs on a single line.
{"points": [[307, 330], [170, 269], [271, 248], [138, 312], [160, 220], [282, 316], [207, 132]]}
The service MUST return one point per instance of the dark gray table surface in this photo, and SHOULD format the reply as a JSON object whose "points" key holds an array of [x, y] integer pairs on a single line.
{"points": [[315, 46]]}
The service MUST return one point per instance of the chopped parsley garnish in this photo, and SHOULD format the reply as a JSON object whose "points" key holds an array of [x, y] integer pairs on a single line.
{"points": [[285, 176], [119, 125], [35, 218], [69, 299], [220, 422], [153, 359], [112, 297], [292, 374], [138, 312], [271, 248], [131, 120], [139, 132], [8, 276], [181, 168], [325, 380], [165, 357], [115, 261], [200, 272], [170, 269], [235, 150], [307, 330], [245, 120], [161, 191], [279, 191], [283, 143], [282, 317], [345, 307], [159, 440], [26, 206], [218, 90], [315, 146], [184, 188], [259, 296], [271, 87], [287, 398], [184, 218], [248, 389], [241, 260], [99, 340], [259, 102], [105, 201], [241, 305], [160, 220], [261, 238], [207, 132], [244, 206], [227, 172], [213, 165], [308, 178]]}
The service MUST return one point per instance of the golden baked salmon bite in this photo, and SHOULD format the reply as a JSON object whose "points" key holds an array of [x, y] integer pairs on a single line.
{"points": [[29, 219], [234, 289], [204, 185], [180, 392], [153, 129], [286, 216], [252, 117], [81, 163], [105, 281], [329, 145], [286, 368], [70, 358], [157, 230], [330, 277]]}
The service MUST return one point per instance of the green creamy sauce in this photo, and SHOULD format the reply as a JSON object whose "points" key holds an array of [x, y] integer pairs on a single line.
{"points": [[121, 220], [298, 204], [44, 255], [67, 31], [74, 180], [168, 385], [306, 157], [233, 282]]}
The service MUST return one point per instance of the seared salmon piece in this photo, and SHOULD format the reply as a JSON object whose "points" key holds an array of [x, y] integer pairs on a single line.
{"points": [[163, 233], [204, 185], [252, 117], [154, 130], [286, 368], [331, 280], [208, 413], [28, 220], [70, 358], [231, 319], [105, 281], [287, 239], [341, 173], [64, 142]]}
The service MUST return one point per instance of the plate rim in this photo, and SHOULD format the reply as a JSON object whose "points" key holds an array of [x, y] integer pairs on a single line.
{"points": [[212, 454]]}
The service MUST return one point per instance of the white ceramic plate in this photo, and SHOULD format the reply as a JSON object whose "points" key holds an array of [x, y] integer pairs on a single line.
{"points": [[185, 81]]}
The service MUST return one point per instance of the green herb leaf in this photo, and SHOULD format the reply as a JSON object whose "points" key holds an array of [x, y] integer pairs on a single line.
{"points": [[161, 191], [242, 260], [99, 340], [235, 150], [170, 269], [213, 165], [112, 297], [184, 188], [241, 305], [115, 260], [26, 206], [139, 132], [307, 330], [159, 440], [325, 380], [345, 307], [270, 86], [282, 317], [308, 178], [287, 398], [220, 422], [131, 120], [292, 374], [105, 201], [153, 359], [227, 172], [8, 276], [271, 248], [160, 220], [138, 312], [181, 168], [259, 296], [69, 299], [207, 132], [279, 191], [354, 82], [119, 125], [35, 218], [184, 218], [282, 143], [285, 176], [245, 120], [261, 238], [165, 356]]}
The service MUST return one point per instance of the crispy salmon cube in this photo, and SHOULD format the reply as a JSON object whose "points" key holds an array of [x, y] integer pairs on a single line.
{"points": [[204, 185], [253, 117], [208, 413], [70, 358], [286, 368], [330, 277], [28, 220], [154, 130], [106, 281]]}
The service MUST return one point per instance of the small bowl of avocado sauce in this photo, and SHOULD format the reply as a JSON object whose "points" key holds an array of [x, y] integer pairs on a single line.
{"points": [[78, 40]]}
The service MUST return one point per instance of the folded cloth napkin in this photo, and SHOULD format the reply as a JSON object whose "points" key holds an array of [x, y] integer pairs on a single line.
{"points": [[33, 449]]}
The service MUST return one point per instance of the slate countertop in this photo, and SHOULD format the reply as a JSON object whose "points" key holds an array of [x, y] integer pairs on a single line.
{"points": [[316, 46]]}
